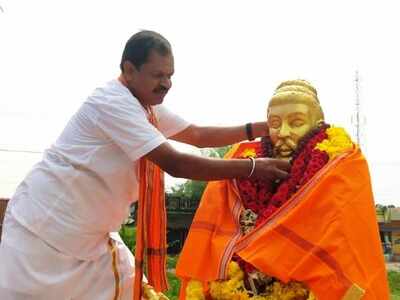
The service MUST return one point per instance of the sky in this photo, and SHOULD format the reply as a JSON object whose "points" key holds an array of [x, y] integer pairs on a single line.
{"points": [[229, 58]]}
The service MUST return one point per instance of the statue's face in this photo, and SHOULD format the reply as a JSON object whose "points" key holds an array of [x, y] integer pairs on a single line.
{"points": [[288, 123]]}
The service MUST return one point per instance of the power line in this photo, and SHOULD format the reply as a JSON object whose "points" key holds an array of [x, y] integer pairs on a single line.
{"points": [[20, 151]]}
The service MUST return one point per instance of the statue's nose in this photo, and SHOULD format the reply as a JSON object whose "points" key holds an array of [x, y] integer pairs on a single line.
{"points": [[284, 131]]}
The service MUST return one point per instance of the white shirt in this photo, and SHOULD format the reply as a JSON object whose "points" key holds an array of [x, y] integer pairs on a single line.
{"points": [[83, 187]]}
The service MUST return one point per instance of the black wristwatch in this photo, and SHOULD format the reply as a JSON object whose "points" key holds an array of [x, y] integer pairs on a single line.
{"points": [[249, 132]]}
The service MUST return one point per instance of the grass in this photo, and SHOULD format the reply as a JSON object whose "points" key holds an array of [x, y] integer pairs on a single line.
{"points": [[394, 284], [174, 285]]}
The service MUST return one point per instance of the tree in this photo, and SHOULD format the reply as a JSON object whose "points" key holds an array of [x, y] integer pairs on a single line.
{"points": [[215, 152], [193, 189]]}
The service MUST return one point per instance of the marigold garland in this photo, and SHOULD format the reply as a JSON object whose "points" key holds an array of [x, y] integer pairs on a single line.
{"points": [[194, 290], [338, 142]]}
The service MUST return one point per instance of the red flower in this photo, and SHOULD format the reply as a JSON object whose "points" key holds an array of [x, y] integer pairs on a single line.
{"points": [[264, 198]]}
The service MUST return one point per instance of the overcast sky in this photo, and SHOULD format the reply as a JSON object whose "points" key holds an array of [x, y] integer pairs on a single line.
{"points": [[229, 57]]}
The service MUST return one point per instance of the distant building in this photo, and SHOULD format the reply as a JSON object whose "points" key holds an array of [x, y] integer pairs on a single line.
{"points": [[389, 229], [3, 205], [180, 213]]}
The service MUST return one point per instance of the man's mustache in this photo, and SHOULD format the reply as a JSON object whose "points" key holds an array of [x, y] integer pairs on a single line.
{"points": [[160, 89]]}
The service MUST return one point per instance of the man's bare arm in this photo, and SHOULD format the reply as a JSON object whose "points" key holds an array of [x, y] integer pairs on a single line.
{"points": [[195, 167], [212, 136]]}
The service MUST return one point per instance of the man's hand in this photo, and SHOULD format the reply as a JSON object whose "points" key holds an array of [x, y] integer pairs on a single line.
{"points": [[270, 169], [150, 294], [195, 167]]}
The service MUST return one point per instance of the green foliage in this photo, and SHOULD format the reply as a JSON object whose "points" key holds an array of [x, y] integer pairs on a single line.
{"points": [[215, 152], [171, 261], [128, 235], [394, 284], [193, 189]]}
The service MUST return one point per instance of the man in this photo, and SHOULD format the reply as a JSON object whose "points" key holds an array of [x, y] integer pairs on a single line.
{"points": [[304, 235], [56, 240]]}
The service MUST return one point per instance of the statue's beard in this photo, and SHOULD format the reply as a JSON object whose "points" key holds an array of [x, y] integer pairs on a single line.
{"points": [[284, 147]]}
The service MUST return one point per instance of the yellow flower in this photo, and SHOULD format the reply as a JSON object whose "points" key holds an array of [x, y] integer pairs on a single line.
{"points": [[338, 141], [249, 152], [234, 271], [233, 288], [311, 296], [194, 290]]}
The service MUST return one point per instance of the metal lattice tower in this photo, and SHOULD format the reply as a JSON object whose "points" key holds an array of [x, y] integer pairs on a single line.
{"points": [[358, 119]]}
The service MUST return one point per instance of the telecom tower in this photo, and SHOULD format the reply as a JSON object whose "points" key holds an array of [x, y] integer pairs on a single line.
{"points": [[358, 119]]}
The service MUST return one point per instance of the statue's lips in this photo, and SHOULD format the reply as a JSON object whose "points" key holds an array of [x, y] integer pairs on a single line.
{"points": [[285, 150], [285, 153]]}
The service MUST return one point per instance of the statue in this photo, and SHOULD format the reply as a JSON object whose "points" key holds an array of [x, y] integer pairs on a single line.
{"points": [[297, 238], [293, 111]]}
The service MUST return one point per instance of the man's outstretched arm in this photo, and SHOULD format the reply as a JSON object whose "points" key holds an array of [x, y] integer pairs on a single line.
{"points": [[190, 166], [212, 136]]}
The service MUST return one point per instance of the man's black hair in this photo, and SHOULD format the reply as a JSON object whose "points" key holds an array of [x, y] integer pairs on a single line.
{"points": [[140, 45]]}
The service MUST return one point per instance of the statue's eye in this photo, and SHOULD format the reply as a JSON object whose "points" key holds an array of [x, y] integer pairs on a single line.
{"points": [[297, 123], [275, 123]]}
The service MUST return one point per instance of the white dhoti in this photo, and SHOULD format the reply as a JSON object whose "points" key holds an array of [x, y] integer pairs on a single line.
{"points": [[32, 270]]}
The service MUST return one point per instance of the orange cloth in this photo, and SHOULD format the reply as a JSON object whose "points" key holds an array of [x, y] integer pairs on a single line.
{"points": [[151, 227], [325, 236]]}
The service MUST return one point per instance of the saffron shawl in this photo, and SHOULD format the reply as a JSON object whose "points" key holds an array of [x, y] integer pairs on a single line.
{"points": [[151, 245], [325, 236]]}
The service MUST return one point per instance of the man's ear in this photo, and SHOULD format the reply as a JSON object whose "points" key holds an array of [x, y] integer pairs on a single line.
{"points": [[129, 70]]}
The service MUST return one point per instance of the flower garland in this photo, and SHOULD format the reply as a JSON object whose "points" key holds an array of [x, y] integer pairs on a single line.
{"points": [[264, 197], [260, 200]]}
